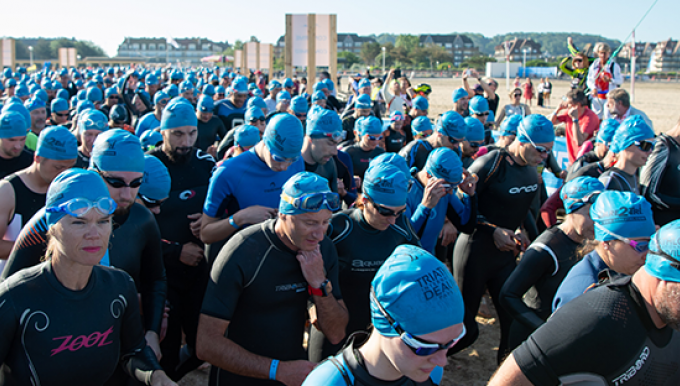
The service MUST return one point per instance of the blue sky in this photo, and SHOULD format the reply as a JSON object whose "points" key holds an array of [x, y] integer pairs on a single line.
{"points": [[107, 23]]}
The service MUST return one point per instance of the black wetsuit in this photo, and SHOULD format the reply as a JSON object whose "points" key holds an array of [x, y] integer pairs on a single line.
{"points": [[415, 153], [257, 285], [395, 141], [605, 336], [361, 158], [56, 336], [348, 126], [588, 158], [26, 201], [327, 171], [134, 247], [660, 180], [186, 284], [504, 191], [225, 144], [594, 170], [361, 251], [528, 293], [616, 179], [12, 165], [209, 132], [82, 161]]}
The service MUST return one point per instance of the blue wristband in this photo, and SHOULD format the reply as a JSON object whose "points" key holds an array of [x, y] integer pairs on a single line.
{"points": [[272, 369], [232, 222]]}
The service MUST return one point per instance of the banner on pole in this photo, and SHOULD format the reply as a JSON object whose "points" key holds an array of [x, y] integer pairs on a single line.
{"points": [[251, 59], [323, 39]]}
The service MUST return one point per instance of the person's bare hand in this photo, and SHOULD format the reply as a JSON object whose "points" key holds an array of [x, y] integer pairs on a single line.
{"points": [[469, 183], [357, 181], [159, 378], [523, 239], [341, 188], [434, 191], [195, 225], [293, 373], [254, 215], [191, 254], [311, 263], [448, 233], [573, 112], [504, 239]]}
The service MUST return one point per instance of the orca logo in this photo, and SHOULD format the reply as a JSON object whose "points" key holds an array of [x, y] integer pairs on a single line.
{"points": [[525, 189], [187, 194]]}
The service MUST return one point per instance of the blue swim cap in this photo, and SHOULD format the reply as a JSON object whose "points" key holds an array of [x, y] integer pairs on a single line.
{"points": [[318, 86], [368, 126], [445, 163], [159, 96], [288, 82], [283, 95], [172, 91], [220, 89], [634, 128], [283, 136], [57, 143], [178, 113], [421, 103], [58, 105], [92, 119], [81, 95], [363, 83], [246, 136], [363, 102], [329, 84], [297, 186], [458, 94], [150, 138], [110, 92], [537, 127], [475, 130], [42, 94], [393, 159], [274, 84], [12, 124], [70, 184], [205, 104], [580, 191], [318, 96], [94, 94], [209, 90], [421, 124], [509, 125], [156, 182], [417, 291], [386, 185], [185, 86], [478, 105], [151, 80], [607, 130], [19, 108], [322, 123], [665, 242], [117, 151], [253, 113], [240, 85], [22, 91], [623, 214], [84, 105], [299, 105], [34, 104], [176, 75], [256, 101], [452, 124]]}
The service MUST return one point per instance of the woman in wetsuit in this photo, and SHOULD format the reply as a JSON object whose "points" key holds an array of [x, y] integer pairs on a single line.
{"points": [[364, 237], [86, 320], [527, 294]]}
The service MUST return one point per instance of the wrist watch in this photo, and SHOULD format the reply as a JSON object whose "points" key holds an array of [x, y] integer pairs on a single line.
{"points": [[323, 291]]}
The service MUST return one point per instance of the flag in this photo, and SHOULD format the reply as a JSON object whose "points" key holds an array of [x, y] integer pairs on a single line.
{"points": [[172, 42]]}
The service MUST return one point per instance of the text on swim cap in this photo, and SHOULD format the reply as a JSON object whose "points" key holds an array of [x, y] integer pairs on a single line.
{"points": [[382, 185], [622, 211], [436, 283]]}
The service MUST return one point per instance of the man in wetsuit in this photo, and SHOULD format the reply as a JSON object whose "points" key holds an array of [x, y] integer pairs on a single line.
{"points": [[274, 88], [461, 100], [362, 108], [624, 333], [659, 178], [320, 146], [419, 108], [210, 128], [474, 139], [180, 223], [91, 123], [245, 189], [254, 311], [23, 193], [13, 155], [59, 113], [282, 104], [506, 188], [38, 112], [449, 132], [152, 120], [633, 142], [231, 109], [136, 244]]}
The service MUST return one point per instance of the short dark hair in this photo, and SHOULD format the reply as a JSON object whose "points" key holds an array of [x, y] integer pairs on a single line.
{"points": [[620, 95], [578, 96]]}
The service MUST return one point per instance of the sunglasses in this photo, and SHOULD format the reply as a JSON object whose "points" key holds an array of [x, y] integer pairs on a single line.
{"points": [[517, 95], [282, 159], [150, 202], [79, 207], [638, 246], [383, 211], [644, 145], [484, 114], [113, 97], [476, 144], [301, 115], [61, 115], [420, 347], [261, 119], [118, 183], [374, 138], [454, 141], [578, 60], [314, 202]]}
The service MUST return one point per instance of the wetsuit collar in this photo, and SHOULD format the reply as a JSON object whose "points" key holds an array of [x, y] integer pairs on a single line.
{"points": [[51, 278], [270, 232], [359, 217], [355, 362]]}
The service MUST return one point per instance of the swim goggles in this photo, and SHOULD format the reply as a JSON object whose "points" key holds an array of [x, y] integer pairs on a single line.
{"points": [[79, 207]]}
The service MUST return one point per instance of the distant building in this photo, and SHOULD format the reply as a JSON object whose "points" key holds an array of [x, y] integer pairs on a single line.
{"points": [[517, 48], [190, 50], [346, 43], [665, 57], [460, 47]]}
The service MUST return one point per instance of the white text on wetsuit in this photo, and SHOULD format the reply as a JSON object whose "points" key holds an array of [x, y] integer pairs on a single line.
{"points": [[633, 369]]}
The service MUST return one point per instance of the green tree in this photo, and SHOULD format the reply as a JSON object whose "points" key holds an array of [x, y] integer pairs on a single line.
{"points": [[238, 45], [42, 50], [369, 51], [349, 58], [409, 42], [477, 62], [254, 39]]}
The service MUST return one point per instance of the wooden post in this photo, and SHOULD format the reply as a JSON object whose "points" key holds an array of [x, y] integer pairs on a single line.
{"points": [[271, 61], [288, 57], [244, 60], [257, 57], [333, 47], [311, 48]]}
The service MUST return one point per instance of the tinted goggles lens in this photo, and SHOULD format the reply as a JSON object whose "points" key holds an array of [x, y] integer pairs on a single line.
{"points": [[79, 207], [314, 202], [645, 145], [375, 138], [282, 159], [424, 348], [383, 211]]}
